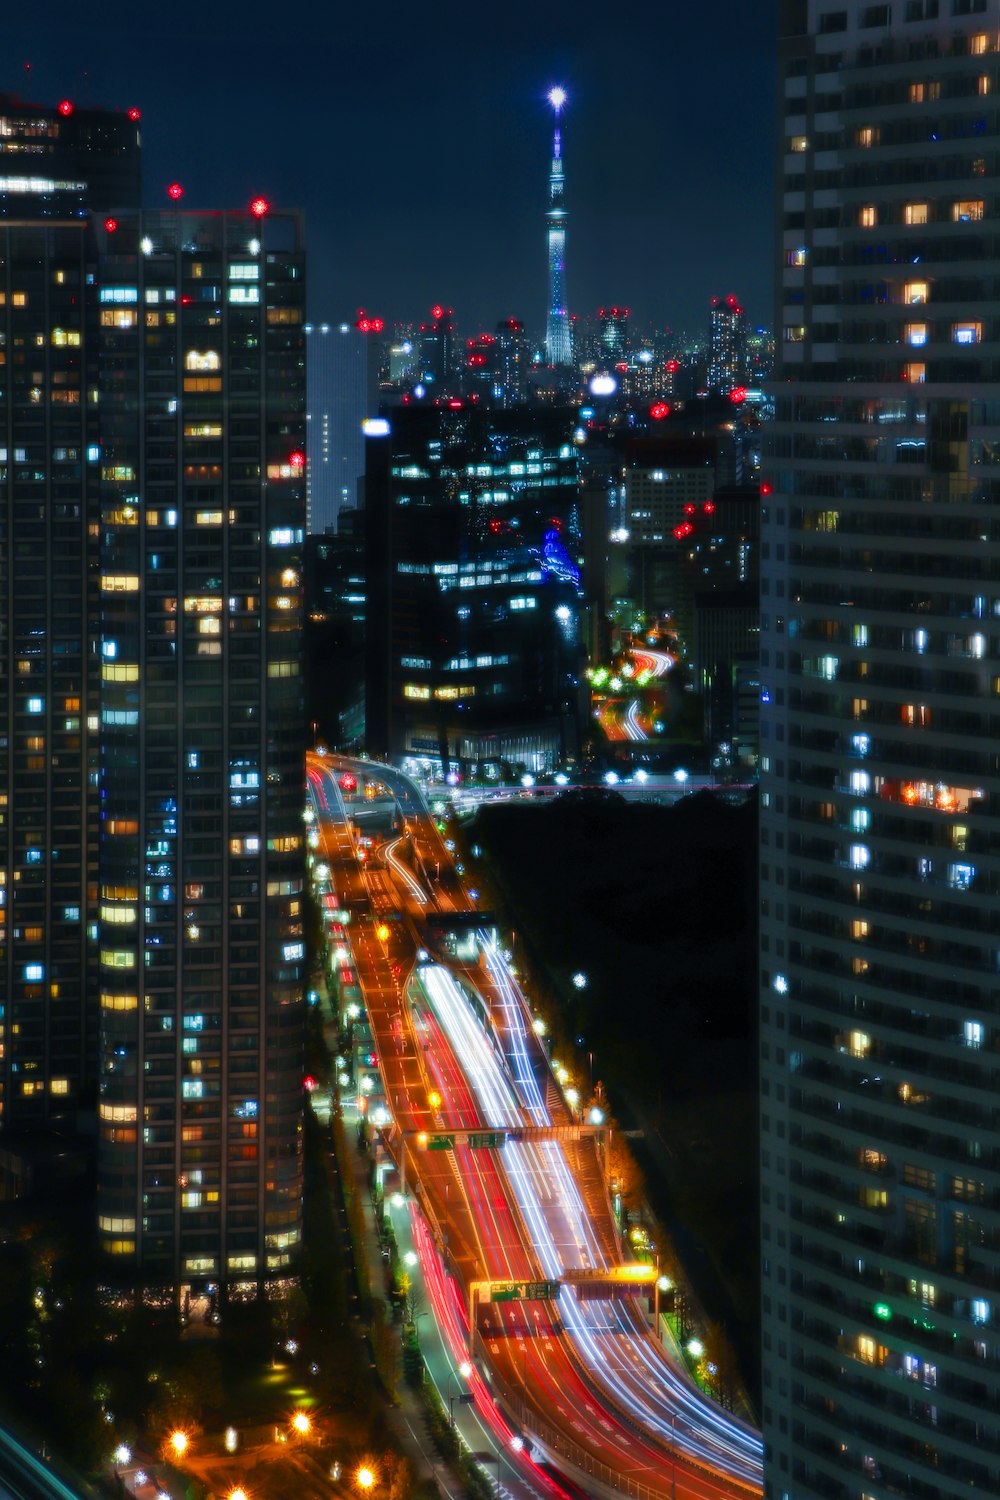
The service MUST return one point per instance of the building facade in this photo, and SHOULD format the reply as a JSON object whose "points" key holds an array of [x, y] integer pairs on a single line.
{"points": [[880, 821], [473, 612], [727, 345], [57, 162], [201, 858]]}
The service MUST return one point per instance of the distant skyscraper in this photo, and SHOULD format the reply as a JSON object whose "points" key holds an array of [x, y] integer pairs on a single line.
{"points": [[201, 871], [727, 345], [342, 391], [880, 779], [558, 344], [57, 164], [473, 613]]}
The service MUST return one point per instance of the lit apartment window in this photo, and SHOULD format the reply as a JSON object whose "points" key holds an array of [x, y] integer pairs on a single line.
{"points": [[798, 143], [866, 135], [984, 84], [915, 213], [867, 216], [794, 333], [967, 333], [916, 291], [915, 373], [968, 210], [796, 257], [979, 44], [918, 93], [915, 333]]}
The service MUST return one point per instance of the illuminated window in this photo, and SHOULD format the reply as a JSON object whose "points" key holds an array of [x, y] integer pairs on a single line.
{"points": [[979, 44], [796, 257], [202, 359], [968, 210], [859, 1043], [917, 93], [859, 856], [915, 373], [199, 384], [859, 928], [983, 84], [118, 1002], [916, 291], [795, 333], [917, 715], [967, 332], [867, 216], [799, 143], [973, 1033], [867, 135], [915, 213], [915, 333], [118, 317]]}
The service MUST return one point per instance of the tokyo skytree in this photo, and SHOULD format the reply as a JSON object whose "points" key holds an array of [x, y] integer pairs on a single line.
{"points": [[558, 346]]}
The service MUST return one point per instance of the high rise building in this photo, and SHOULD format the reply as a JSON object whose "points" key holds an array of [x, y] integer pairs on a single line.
{"points": [[341, 391], [558, 343], [880, 820], [473, 610], [201, 860], [64, 161], [727, 345]]}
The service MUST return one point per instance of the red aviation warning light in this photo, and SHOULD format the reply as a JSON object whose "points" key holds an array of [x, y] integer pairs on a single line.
{"points": [[437, 311], [135, 115], [259, 207], [297, 460], [348, 782], [738, 394], [175, 192], [65, 108], [111, 225], [659, 410]]}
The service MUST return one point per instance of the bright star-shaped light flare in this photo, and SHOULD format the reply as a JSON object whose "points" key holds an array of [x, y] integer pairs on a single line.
{"points": [[557, 98]]}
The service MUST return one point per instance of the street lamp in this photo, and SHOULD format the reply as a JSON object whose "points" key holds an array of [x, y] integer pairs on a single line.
{"points": [[179, 1442], [365, 1478], [301, 1423]]}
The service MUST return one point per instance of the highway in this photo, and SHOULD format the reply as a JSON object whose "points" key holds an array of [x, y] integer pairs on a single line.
{"points": [[586, 1381]]}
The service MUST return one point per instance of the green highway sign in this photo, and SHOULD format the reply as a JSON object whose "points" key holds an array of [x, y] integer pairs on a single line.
{"points": [[524, 1291], [441, 1143], [486, 1140]]}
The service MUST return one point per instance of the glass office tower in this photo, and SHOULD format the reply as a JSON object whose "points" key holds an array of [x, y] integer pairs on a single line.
{"points": [[880, 859], [202, 469]]}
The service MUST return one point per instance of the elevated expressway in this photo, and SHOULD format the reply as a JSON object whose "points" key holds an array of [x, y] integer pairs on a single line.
{"points": [[516, 1215]]}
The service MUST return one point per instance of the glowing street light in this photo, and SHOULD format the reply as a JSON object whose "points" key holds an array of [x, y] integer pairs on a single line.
{"points": [[123, 1454], [231, 1439], [696, 1348], [179, 1442], [237, 1494], [365, 1478], [301, 1422]]}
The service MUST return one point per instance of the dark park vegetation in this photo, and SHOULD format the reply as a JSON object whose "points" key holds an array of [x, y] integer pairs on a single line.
{"points": [[656, 908]]}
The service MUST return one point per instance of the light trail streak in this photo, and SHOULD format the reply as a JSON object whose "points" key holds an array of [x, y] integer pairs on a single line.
{"points": [[633, 728], [404, 873], [564, 1239]]}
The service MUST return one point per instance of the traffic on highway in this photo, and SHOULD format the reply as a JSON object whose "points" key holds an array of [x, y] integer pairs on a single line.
{"points": [[503, 1173]]}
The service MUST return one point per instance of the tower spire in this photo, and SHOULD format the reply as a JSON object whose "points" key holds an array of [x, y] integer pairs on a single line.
{"points": [[557, 335]]}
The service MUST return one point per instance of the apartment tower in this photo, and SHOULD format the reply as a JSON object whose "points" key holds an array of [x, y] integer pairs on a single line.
{"points": [[202, 521], [880, 771]]}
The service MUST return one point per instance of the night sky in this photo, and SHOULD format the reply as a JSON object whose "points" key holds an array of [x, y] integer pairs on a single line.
{"points": [[415, 139]]}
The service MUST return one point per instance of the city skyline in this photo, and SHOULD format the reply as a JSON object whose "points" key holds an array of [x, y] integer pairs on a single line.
{"points": [[422, 166]]}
